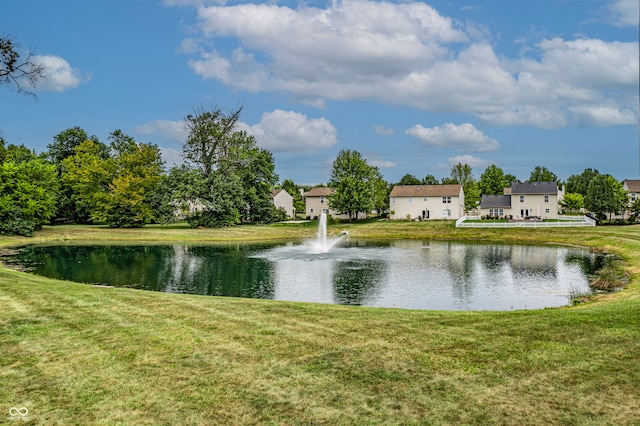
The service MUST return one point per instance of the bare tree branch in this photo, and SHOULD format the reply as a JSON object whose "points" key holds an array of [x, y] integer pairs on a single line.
{"points": [[16, 70]]}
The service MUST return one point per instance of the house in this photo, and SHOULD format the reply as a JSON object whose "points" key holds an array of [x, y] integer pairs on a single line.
{"points": [[283, 200], [316, 201], [426, 202], [633, 186], [524, 200]]}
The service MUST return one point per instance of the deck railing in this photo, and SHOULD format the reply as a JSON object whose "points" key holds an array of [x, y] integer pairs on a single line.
{"points": [[563, 221]]}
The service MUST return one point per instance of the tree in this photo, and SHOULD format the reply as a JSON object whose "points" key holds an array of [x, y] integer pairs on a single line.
{"points": [[115, 190], [62, 147], [354, 184], [463, 174], [15, 70], [580, 183], [605, 195], [429, 180], [634, 208], [27, 196], [542, 174], [572, 201], [210, 138], [294, 190], [409, 179], [492, 181]]}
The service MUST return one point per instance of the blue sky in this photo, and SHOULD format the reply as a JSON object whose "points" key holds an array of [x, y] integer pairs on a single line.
{"points": [[414, 86]]}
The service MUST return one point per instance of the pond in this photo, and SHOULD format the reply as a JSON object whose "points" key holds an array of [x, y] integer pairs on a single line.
{"points": [[438, 275]]}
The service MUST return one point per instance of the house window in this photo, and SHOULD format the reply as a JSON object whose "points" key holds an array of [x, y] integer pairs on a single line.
{"points": [[522, 198], [446, 200], [311, 210], [446, 213], [546, 198], [547, 210], [424, 198], [393, 200], [321, 200], [410, 200], [633, 196]]}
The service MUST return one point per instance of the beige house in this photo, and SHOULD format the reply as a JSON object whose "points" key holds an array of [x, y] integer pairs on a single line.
{"points": [[524, 200], [426, 202], [316, 201], [633, 186], [283, 200]]}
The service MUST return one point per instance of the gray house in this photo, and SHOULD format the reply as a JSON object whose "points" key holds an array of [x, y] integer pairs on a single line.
{"points": [[524, 199]]}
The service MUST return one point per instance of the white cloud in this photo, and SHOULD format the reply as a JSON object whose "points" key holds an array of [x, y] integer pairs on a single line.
{"points": [[470, 160], [409, 54], [289, 131], [624, 13], [58, 74], [172, 129], [381, 163], [463, 137], [382, 130]]}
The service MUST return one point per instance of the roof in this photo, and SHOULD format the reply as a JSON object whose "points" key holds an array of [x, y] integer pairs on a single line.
{"points": [[275, 192], [633, 185], [534, 188], [319, 191], [489, 201], [425, 190]]}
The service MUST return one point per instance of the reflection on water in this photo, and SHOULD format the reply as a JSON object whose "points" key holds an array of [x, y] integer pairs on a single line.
{"points": [[405, 273]]}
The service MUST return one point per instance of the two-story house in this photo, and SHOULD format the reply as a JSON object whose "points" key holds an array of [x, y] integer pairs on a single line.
{"points": [[524, 200], [283, 200], [316, 201], [426, 202]]}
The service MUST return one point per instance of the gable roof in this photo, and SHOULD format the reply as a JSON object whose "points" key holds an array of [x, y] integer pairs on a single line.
{"points": [[425, 190], [319, 191], [633, 185], [275, 192], [534, 188], [492, 201]]}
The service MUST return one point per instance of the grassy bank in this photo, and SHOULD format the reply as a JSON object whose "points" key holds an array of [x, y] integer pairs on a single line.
{"points": [[76, 354]]}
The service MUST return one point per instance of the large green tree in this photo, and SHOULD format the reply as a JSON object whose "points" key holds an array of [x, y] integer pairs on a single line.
{"points": [[236, 175], [572, 201], [409, 179], [580, 183], [354, 183], [492, 181], [463, 174], [115, 189], [605, 195], [27, 196], [542, 174], [62, 147]]}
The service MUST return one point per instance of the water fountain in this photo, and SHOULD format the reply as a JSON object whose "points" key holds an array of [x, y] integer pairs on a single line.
{"points": [[323, 243]]}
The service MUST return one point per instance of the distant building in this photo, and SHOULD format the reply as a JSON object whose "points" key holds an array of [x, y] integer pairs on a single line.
{"points": [[426, 202], [316, 201], [524, 200], [283, 200]]}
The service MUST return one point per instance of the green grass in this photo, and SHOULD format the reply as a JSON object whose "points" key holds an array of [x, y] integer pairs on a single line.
{"points": [[77, 355]]}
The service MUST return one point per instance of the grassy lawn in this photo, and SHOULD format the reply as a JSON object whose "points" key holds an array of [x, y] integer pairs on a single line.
{"points": [[74, 354]]}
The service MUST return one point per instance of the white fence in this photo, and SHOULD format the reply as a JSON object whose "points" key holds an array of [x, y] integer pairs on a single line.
{"points": [[563, 222]]}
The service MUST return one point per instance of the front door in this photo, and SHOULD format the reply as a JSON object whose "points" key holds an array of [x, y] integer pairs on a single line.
{"points": [[425, 214], [524, 213]]}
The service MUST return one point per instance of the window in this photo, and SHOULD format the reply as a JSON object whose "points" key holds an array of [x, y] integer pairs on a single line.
{"points": [[410, 200], [546, 198], [424, 198], [522, 198], [547, 210], [633, 196], [393, 200], [446, 213], [311, 210], [321, 200], [446, 200]]}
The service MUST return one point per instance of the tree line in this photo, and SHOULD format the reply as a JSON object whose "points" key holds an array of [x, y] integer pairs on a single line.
{"points": [[225, 179]]}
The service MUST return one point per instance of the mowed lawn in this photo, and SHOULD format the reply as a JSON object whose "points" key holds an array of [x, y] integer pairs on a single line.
{"points": [[73, 354]]}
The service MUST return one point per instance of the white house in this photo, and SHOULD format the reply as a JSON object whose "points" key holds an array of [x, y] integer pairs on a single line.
{"points": [[283, 200], [426, 202], [523, 200]]}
